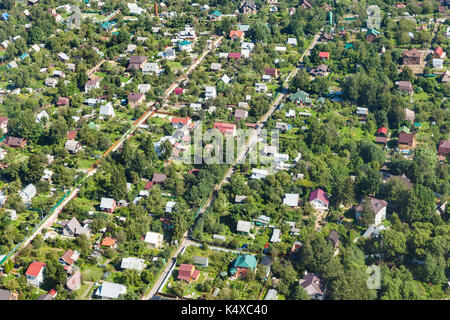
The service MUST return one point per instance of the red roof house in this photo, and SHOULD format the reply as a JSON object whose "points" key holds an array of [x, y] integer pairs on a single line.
{"points": [[444, 147], [188, 273], [109, 242], [382, 131], [439, 53], [35, 273], [178, 91], [234, 55], [324, 55], [71, 135], [237, 34], [62, 101], [225, 128], [180, 122], [319, 199]]}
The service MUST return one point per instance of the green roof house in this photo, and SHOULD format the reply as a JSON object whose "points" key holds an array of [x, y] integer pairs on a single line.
{"points": [[404, 129], [240, 266], [215, 15], [301, 97], [349, 46]]}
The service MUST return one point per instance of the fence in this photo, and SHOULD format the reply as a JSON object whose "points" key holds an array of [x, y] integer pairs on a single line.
{"points": [[35, 228]]}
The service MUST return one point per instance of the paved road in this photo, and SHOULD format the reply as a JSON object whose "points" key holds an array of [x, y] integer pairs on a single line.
{"points": [[185, 242]]}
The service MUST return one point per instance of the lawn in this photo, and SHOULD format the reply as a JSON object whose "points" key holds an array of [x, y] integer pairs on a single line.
{"points": [[174, 65]]}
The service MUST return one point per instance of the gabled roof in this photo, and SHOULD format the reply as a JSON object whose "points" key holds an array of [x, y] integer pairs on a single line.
{"points": [[35, 268], [236, 34], [376, 204], [382, 130], [159, 177], [108, 242], [111, 290], [320, 195], [244, 261]]}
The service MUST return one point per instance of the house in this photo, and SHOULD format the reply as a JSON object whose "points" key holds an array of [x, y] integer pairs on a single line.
{"points": [[314, 285], [225, 128], [405, 86], [248, 7], [41, 116], [291, 199], [324, 55], [143, 87], [4, 124], [215, 15], [321, 70], [136, 62], [159, 178], [305, 4], [133, 264], [91, 84], [371, 35], [405, 139], [51, 82], [334, 238], [63, 57], [382, 131], [185, 45], [362, 113], [239, 199], [237, 35], [201, 261], [178, 91], [28, 193], [438, 63], [240, 114], [135, 9], [69, 257], [301, 98], [226, 79], [154, 239], [319, 199], [45, 296], [219, 237], [107, 205], [109, 242], [14, 142], [62, 101], [378, 207], [135, 99], [273, 72], [72, 146], [445, 78], [8, 295], [234, 55], [272, 294], [216, 66], [373, 231], [240, 266], [73, 228], [439, 53], [243, 227], [276, 236], [152, 67], [412, 57], [259, 174], [444, 147], [210, 93], [180, 123], [169, 206], [187, 273], [109, 290], [292, 41], [74, 281], [107, 110], [187, 34], [325, 37], [35, 273], [409, 115], [260, 87], [169, 54]]}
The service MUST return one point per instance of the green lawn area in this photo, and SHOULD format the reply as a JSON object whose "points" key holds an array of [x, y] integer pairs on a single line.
{"points": [[92, 274], [174, 64]]}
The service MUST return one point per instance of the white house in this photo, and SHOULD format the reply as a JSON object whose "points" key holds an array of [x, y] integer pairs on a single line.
{"points": [[143, 88], [41, 116], [437, 63], [226, 79], [379, 208], [319, 199], [151, 67], [51, 82], [110, 290], [243, 227], [292, 41], [28, 193], [91, 84], [276, 236], [291, 199], [133, 264], [210, 93], [72, 146], [154, 239], [259, 174], [260, 87], [35, 274], [169, 206], [107, 110]]}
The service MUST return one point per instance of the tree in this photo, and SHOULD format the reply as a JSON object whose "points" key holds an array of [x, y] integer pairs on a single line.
{"points": [[58, 131], [299, 293], [394, 243], [367, 214], [351, 286], [54, 274], [258, 32], [34, 169]]}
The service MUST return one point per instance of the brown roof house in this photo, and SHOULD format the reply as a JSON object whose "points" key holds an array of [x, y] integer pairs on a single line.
{"points": [[405, 139], [188, 273], [72, 146], [15, 142], [409, 115], [314, 285], [273, 72], [74, 281], [135, 99], [240, 114], [405, 86], [136, 62], [444, 147], [73, 228], [445, 78], [249, 7], [412, 57], [378, 207], [8, 295]]}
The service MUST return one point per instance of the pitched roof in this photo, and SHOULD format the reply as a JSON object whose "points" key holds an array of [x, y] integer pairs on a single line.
{"points": [[111, 290], [382, 130], [159, 177], [185, 272], [224, 127], [313, 280], [137, 59], [376, 204], [135, 96], [319, 194], [405, 138], [108, 242], [244, 261], [324, 54], [35, 268], [234, 55], [183, 121]]}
